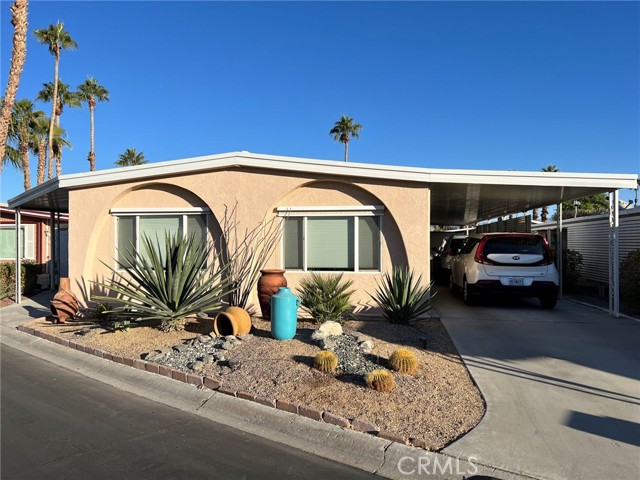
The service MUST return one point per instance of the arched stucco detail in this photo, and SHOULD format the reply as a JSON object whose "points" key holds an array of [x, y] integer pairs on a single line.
{"points": [[342, 193], [148, 195]]}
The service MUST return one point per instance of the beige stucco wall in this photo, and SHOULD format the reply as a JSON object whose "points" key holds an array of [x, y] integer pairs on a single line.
{"points": [[405, 225]]}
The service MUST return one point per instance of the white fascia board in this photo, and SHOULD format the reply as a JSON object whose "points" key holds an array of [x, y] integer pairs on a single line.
{"points": [[135, 211], [35, 192], [330, 168]]}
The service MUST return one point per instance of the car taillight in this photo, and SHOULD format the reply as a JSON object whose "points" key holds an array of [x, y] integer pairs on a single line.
{"points": [[479, 257], [547, 260]]}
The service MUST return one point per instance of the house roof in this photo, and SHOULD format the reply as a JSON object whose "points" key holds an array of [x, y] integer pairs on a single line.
{"points": [[458, 197]]}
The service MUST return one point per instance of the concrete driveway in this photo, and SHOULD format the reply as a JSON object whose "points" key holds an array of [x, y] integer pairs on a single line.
{"points": [[562, 387]]}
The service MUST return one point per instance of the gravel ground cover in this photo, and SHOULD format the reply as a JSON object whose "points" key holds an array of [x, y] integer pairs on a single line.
{"points": [[436, 405]]}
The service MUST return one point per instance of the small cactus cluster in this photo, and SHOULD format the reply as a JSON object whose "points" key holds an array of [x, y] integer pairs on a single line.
{"points": [[403, 360], [380, 380], [326, 361]]}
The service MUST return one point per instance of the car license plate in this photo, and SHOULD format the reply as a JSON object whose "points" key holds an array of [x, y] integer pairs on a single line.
{"points": [[516, 281]]}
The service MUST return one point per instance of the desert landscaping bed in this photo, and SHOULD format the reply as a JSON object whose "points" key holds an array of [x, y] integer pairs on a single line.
{"points": [[433, 407]]}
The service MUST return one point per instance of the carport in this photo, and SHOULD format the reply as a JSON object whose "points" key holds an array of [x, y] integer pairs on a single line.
{"points": [[455, 197]]}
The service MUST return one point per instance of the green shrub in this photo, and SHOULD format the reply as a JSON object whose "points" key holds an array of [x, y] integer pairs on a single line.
{"points": [[401, 296], [571, 268], [326, 297], [167, 283], [29, 272], [630, 279]]}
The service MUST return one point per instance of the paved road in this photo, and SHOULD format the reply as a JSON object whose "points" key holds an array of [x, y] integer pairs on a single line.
{"points": [[562, 387], [57, 424]]}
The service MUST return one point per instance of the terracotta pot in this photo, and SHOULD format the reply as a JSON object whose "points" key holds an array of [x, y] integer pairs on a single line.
{"points": [[268, 284], [64, 305], [233, 321]]}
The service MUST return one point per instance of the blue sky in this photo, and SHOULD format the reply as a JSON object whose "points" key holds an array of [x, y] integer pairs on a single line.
{"points": [[478, 85]]}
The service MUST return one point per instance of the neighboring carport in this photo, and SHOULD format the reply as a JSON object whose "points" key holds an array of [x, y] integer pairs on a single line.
{"points": [[456, 197]]}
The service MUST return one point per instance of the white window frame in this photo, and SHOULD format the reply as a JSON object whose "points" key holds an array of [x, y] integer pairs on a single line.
{"points": [[354, 212], [154, 212], [29, 229]]}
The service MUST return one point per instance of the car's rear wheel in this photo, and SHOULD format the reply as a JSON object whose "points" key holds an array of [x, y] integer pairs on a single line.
{"points": [[467, 293], [549, 300]]}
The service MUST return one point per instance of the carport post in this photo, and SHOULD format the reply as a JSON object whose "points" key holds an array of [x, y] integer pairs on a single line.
{"points": [[18, 258], [559, 247], [58, 256], [614, 255], [52, 250]]}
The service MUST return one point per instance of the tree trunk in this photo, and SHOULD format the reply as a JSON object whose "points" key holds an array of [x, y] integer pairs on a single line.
{"points": [[545, 214], [346, 151], [23, 148], [54, 104], [42, 160], [92, 153], [58, 157], [18, 55]]}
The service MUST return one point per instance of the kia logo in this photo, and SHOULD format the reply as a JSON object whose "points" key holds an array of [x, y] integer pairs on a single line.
{"points": [[516, 257]]}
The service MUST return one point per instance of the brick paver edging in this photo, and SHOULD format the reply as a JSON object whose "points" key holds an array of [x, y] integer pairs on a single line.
{"points": [[215, 385]]}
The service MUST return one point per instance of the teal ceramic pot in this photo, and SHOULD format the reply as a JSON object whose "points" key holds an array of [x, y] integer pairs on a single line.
{"points": [[284, 314]]}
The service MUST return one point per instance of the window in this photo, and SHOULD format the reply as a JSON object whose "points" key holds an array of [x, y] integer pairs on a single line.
{"points": [[8, 242], [332, 239], [155, 224]]}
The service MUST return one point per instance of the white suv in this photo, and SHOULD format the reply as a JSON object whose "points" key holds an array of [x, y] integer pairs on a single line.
{"points": [[506, 264]]}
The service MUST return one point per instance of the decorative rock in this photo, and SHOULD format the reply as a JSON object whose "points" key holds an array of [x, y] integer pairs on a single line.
{"points": [[360, 337], [327, 329], [202, 315], [227, 345], [246, 337], [82, 332], [208, 359], [234, 363], [367, 347], [180, 348], [197, 366], [219, 357], [204, 339], [328, 343]]}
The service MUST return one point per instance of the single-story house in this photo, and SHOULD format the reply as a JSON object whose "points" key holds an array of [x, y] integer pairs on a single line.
{"points": [[356, 218]]}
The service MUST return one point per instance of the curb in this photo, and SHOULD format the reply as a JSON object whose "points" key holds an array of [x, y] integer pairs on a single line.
{"points": [[318, 432]]}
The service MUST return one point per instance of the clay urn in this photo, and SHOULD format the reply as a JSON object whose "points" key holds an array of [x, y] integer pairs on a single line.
{"points": [[232, 321], [268, 284], [64, 305]]}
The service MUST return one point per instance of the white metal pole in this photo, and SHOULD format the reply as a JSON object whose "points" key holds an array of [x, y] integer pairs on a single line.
{"points": [[58, 259], [614, 255], [18, 258], [52, 246], [559, 246]]}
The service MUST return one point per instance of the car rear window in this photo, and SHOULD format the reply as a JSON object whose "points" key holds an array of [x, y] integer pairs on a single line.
{"points": [[457, 243], [520, 244]]}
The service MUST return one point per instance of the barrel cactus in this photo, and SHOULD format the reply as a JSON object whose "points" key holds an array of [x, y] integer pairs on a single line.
{"points": [[380, 380], [403, 360], [326, 361]]}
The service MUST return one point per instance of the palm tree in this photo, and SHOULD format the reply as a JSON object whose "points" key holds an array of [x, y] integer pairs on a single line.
{"points": [[57, 39], [66, 97], [342, 132], [130, 158], [545, 210], [59, 142], [90, 92], [18, 56], [23, 121], [39, 135]]}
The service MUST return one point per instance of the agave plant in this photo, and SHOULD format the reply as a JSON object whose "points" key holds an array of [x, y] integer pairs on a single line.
{"points": [[326, 297], [401, 296], [167, 282]]}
